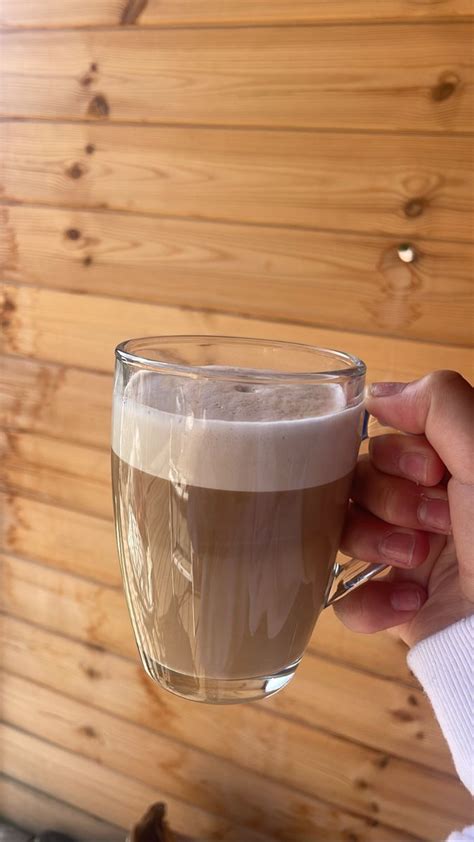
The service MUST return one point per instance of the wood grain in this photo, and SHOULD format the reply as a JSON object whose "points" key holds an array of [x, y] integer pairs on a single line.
{"points": [[398, 78], [49, 399], [403, 186], [110, 795], [302, 276], [82, 331], [32, 810], [57, 471], [384, 714], [60, 537], [23, 522], [288, 752], [212, 783], [82, 13]]}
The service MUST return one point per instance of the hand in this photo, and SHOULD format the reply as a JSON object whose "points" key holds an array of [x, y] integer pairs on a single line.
{"points": [[413, 507]]}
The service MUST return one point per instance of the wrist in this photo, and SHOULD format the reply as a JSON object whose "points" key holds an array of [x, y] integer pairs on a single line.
{"points": [[435, 616]]}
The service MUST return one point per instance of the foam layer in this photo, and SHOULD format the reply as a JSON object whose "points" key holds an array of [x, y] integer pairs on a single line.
{"points": [[265, 439]]}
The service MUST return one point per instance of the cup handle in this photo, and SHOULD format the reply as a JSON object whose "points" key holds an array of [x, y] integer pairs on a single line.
{"points": [[353, 573]]}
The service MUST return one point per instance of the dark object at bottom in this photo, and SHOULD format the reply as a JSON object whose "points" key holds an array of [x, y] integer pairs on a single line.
{"points": [[152, 827]]}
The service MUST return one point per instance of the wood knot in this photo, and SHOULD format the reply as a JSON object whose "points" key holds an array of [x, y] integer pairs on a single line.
{"points": [[88, 731], [445, 88], [72, 233], [359, 783], [382, 762], [94, 67], [132, 11], [98, 106], [414, 207], [89, 149], [92, 673], [412, 700], [75, 171], [8, 305], [402, 715], [419, 735], [7, 308], [87, 260], [374, 807], [86, 80]]}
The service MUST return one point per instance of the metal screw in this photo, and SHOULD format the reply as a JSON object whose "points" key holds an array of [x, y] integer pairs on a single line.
{"points": [[406, 253]]}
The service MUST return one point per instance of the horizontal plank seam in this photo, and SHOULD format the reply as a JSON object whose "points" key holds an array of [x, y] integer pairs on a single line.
{"points": [[238, 314], [6, 428], [234, 223], [33, 496], [399, 682], [205, 752], [234, 127], [98, 583], [102, 765], [244, 317], [118, 589], [86, 813], [258, 24]]}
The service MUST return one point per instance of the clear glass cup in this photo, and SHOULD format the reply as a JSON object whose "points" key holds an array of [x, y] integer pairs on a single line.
{"points": [[232, 462]]}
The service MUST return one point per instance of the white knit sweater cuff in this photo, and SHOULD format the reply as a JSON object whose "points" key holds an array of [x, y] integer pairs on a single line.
{"points": [[444, 665]]}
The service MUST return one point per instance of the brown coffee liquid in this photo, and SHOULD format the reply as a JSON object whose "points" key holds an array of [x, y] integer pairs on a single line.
{"points": [[224, 584]]}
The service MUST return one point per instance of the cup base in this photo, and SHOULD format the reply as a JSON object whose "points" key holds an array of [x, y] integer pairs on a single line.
{"points": [[217, 691]]}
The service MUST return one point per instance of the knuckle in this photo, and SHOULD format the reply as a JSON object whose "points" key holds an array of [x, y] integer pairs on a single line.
{"points": [[444, 379]]}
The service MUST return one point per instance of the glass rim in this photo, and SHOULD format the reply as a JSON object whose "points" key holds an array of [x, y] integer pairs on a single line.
{"points": [[354, 367]]}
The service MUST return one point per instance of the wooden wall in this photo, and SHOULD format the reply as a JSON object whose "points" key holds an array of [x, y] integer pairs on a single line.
{"points": [[216, 166]]}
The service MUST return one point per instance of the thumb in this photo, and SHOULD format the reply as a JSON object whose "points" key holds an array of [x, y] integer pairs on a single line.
{"points": [[441, 406]]}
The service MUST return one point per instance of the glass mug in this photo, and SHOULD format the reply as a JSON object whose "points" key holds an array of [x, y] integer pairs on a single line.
{"points": [[231, 464]]}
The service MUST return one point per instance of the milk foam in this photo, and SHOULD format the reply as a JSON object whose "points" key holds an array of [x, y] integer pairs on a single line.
{"points": [[204, 441]]}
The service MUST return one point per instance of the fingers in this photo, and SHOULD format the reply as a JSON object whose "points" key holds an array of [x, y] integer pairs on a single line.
{"points": [[373, 540], [400, 502], [380, 605], [411, 457], [441, 406]]}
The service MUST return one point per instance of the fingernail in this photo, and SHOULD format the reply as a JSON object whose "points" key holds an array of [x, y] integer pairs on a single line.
{"points": [[434, 514], [405, 598], [414, 466], [385, 390], [398, 546]]}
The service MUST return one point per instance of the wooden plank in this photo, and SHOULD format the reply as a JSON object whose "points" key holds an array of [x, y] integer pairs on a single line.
{"points": [[75, 476], [271, 746], [311, 77], [52, 400], [82, 331], [403, 186], [74, 13], [211, 783], [331, 279], [99, 615], [32, 810], [112, 796], [58, 470], [383, 714], [54, 469], [73, 541]]}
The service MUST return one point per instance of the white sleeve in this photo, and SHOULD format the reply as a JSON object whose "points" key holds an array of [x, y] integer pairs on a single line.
{"points": [[466, 835], [444, 665]]}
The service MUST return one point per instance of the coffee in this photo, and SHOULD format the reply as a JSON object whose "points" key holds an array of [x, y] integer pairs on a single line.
{"points": [[228, 522]]}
